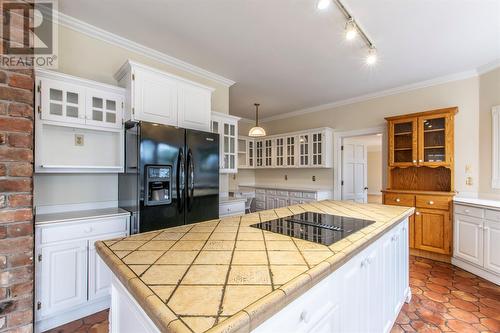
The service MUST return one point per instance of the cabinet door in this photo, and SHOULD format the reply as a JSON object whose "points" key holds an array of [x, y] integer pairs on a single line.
{"points": [[352, 291], [291, 151], [154, 97], [279, 153], [268, 152], [194, 107], [63, 274], [411, 231], [259, 150], [389, 266], [435, 144], [304, 150], [104, 109], [433, 230], [250, 153], [403, 142], [492, 246], [229, 147], [99, 273], [270, 202], [281, 202], [317, 150], [62, 101], [468, 240]]}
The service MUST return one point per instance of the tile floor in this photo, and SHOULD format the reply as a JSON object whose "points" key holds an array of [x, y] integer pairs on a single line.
{"points": [[445, 299]]}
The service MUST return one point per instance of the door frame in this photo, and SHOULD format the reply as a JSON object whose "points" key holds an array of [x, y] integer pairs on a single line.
{"points": [[338, 140]]}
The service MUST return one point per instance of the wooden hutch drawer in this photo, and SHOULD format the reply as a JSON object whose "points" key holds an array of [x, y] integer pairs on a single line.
{"points": [[432, 201], [399, 199]]}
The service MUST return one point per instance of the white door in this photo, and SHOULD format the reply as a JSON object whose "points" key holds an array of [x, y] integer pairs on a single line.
{"points": [[99, 273], [104, 109], [61, 101], [194, 107], [468, 239], [492, 246], [155, 97], [63, 276], [354, 173]]}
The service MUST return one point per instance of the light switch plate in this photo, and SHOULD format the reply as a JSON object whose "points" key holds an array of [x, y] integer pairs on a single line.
{"points": [[79, 140]]}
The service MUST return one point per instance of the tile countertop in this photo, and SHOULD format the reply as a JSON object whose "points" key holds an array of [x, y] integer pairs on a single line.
{"points": [[79, 215], [479, 202], [225, 276]]}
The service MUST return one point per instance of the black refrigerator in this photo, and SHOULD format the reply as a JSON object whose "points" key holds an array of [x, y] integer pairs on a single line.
{"points": [[171, 176]]}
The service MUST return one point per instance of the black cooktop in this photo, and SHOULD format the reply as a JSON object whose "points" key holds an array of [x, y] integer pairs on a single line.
{"points": [[319, 228]]}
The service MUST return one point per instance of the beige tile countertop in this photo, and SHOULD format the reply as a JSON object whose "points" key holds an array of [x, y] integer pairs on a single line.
{"points": [[225, 276]]}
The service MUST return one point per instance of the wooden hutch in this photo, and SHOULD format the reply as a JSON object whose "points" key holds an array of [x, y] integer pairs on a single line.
{"points": [[421, 175]]}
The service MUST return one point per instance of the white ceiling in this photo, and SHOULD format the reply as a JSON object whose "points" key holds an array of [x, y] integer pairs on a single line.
{"points": [[288, 56]]}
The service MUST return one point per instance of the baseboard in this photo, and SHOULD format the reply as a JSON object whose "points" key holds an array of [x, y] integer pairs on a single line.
{"points": [[64, 318], [431, 255], [479, 271]]}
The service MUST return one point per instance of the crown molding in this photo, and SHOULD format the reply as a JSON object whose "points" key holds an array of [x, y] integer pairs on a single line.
{"points": [[393, 91], [111, 38], [488, 67]]}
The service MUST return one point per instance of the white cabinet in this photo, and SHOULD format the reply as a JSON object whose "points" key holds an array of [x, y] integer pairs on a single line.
{"points": [[476, 241], [305, 149], [60, 100], [277, 198], [64, 280], [71, 280], [156, 96], [246, 152], [227, 127], [492, 246], [104, 109], [231, 207]]}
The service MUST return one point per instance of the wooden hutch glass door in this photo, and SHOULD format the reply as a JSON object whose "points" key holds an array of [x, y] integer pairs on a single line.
{"points": [[434, 146], [403, 142]]}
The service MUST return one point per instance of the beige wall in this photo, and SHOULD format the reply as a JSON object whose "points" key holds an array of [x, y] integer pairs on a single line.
{"points": [[93, 59], [374, 160], [489, 96], [371, 113]]}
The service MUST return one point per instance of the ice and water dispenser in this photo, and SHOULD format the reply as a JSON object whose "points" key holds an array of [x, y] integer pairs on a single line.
{"points": [[158, 185]]}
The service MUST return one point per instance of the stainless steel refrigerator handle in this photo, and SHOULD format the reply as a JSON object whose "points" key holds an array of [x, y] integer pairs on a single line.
{"points": [[190, 180], [181, 181]]}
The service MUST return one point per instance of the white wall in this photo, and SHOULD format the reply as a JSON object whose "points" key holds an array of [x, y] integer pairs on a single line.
{"points": [[94, 59]]}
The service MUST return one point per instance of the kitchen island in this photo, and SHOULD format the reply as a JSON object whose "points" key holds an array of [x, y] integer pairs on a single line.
{"points": [[226, 276]]}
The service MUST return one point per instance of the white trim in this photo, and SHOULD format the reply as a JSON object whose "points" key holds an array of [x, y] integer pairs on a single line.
{"points": [[479, 271], [338, 138], [225, 115], [383, 93], [488, 67], [49, 209], [495, 145], [111, 38]]}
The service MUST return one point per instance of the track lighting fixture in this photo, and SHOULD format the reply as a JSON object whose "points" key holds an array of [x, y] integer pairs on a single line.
{"points": [[371, 58], [351, 31], [323, 4]]}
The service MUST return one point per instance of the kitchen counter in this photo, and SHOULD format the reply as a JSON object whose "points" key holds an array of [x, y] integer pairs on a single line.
{"points": [[479, 202], [231, 199], [298, 188], [79, 215], [225, 276]]}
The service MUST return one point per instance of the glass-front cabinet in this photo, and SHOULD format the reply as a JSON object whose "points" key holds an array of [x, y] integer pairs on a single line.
{"points": [[61, 101], [104, 109], [403, 142], [227, 127], [279, 160], [268, 152], [259, 161], [246, 152], [291, 142], [304, 150]]}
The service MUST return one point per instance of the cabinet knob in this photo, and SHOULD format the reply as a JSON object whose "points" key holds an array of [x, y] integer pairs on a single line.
{"points": [[420, 161], [417, 213], [431, 202], [414, 161], [466, 211], [398, 200], [304, 316]]}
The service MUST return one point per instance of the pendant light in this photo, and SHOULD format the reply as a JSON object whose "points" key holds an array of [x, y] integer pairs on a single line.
{"points": [[257, 131]]}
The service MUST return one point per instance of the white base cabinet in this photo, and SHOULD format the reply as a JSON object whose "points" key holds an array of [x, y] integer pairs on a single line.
{"points": [[364, 295], [71, 279], [268, 198], [477, 240]]}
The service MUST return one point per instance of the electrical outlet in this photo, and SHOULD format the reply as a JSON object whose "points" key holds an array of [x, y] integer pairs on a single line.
{"points": [[79, 140], [286, 177], [468, 181], [314, 178]]}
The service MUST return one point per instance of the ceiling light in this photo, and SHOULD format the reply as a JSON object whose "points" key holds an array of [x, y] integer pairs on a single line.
{"points": [[351, 31], [257, 131], [324, 4], [371, 58]]}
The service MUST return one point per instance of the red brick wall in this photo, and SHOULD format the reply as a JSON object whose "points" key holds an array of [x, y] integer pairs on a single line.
{"points": [[16, 218]]}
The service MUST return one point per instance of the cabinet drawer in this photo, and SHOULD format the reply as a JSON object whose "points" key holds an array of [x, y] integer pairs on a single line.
{"points": [[231, 208], [309, 195], [429, 201], [260, 190], [469, 211], [492, 215], [282, 193], [272, 192], [398, 199], [295, 194], [82, 229]]}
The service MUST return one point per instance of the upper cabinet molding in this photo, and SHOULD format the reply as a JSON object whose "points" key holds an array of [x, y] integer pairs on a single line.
{"points": [[495, 168], [104, 35]]}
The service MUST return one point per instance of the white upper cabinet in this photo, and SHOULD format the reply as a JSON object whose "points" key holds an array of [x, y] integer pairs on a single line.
{"points": [[156, 96], [104, 109], [61, 101], [227, 128], [304, 149]]}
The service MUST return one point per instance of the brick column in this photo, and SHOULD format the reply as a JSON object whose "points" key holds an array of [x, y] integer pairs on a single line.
{"points": [[16, 193]]}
